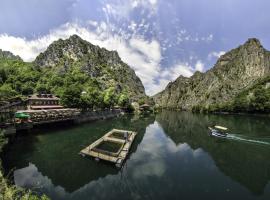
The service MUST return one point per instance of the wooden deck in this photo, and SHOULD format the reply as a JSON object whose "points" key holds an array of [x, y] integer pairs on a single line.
{"points": [[115, 157]]}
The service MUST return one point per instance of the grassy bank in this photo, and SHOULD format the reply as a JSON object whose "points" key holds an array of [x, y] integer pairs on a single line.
{"points": [[9, 191]]}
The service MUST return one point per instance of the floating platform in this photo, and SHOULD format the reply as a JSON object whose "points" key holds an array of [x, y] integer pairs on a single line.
{"points": [[113, 146]]}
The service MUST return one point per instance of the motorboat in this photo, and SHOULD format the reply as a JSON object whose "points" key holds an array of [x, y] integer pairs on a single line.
{"points": [[218, 131]]}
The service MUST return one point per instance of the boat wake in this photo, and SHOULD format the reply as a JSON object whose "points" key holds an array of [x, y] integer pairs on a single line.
{"points": [[250, 139]]}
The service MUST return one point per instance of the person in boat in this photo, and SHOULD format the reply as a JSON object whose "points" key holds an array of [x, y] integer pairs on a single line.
{"points": [[219, 131]]}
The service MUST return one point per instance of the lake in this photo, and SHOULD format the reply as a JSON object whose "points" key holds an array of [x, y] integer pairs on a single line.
{"points": [[172, 157]]}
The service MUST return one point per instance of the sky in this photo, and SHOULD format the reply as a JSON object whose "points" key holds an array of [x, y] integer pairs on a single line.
{"points": [[159, 39]]}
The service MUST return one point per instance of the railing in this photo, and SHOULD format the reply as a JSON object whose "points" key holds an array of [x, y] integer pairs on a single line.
{"points": [[70, 114], [57, 115], [10, 105]]}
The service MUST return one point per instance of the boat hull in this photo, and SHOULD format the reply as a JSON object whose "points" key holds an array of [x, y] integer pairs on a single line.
{"points": [[216, 133]]}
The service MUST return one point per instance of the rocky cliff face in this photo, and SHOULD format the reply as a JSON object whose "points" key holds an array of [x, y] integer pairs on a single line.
{"points": [[235, 71], [99, 63]]}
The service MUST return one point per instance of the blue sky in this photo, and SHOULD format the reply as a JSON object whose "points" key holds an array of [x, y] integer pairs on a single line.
{"points": [[159, 39]]}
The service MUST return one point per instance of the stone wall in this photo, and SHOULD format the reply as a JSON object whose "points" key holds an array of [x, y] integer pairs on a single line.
{"points": [[96, 115]]}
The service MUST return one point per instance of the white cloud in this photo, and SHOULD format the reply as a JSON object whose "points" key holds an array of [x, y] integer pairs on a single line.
{"points": [[170, 74], [199, 66], [153, 2], [215, 54], [92, 23], [123, 8], [183, 69], [29, 49], [144, 56], [210, 37], [183, 35], [132, 26], [151, 49]]}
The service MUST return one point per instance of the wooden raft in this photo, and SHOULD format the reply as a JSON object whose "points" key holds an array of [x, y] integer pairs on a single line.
{"points": [[115, 157]]}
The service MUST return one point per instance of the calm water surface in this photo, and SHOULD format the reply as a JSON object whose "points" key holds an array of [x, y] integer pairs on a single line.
{"points": [[172, 158]]}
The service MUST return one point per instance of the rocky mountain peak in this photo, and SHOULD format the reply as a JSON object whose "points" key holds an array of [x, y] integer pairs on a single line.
{"points": [[75, 37], [98, 63], [8, 55], [253, 42], [234, 71], [73, 49]]}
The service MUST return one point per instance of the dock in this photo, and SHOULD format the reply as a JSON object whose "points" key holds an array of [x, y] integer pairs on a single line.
{"points": [[122, 141]]}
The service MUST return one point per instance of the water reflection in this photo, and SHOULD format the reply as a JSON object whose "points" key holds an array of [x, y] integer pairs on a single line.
{"points": [[30, 177], [249, 164], [173, 157], [157, 163]]}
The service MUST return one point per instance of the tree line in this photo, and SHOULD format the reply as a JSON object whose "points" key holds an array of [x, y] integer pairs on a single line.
{"points": [[74, 87]]}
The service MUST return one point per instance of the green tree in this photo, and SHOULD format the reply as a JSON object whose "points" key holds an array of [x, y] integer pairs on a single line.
{"points": [[42, 88], [7, 92], [123, 100], [71, 96], [90, 98], [110, 97]]}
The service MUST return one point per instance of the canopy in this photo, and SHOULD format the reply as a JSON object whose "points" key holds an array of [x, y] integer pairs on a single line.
{"points": [[221, 128], [22, 115]]}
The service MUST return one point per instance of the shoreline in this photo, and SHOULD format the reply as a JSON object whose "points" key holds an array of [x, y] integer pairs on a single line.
{"points": [[11, 191], [74, 118], [218, 113]]}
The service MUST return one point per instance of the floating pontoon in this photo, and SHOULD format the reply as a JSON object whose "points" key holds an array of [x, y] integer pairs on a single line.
{"points": [[113, 146]]}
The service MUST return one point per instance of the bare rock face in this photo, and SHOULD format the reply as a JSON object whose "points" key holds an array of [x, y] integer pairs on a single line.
{"points": [[99, 63], [235, 71]]}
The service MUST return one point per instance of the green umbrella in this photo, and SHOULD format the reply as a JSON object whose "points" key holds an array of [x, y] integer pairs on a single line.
{"points": [[22, 115]]}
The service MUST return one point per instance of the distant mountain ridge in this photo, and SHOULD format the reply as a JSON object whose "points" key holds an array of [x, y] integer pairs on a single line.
{"points": [[234, 72]]}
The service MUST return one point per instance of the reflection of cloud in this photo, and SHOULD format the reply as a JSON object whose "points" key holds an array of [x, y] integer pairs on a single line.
{"points": [[30, 177], [149, 163], [150, 149], [153, 168], [178, 148]]}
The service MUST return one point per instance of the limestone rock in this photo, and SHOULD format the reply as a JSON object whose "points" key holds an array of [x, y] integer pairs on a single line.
{"points": [[234, 71], [106, 66]]}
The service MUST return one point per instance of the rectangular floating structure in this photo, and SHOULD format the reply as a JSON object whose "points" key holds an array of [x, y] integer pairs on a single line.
{"points": [[113, 146]]}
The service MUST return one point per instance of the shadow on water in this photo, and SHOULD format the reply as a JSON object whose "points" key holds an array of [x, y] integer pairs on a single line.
{"points": [[172, 157], [53, 155], [244, 157]]}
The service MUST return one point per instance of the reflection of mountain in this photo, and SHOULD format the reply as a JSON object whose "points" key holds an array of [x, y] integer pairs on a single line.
{"points": [[59, 160], [245, 163]]}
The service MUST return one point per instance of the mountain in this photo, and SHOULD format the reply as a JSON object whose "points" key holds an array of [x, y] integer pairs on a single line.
{"points": [[234, 72], [254, 99], [8, 55], [82, 74], [99, 63]]}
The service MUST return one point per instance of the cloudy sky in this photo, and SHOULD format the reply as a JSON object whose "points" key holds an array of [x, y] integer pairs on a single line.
{"points": [[159, 39]]}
